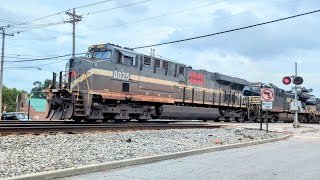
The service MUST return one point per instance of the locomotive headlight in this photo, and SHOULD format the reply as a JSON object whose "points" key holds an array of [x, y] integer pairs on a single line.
{"points": [[64, 85]]}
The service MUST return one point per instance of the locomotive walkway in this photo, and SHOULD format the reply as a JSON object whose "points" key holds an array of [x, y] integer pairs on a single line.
{"points": [[295, 158]]}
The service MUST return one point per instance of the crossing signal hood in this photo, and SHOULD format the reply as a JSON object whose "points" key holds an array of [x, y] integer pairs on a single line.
{"points": [[298, 80], [286, 80]]}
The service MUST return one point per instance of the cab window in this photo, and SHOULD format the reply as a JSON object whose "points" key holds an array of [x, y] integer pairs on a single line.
{"points": [[157, 63], [147, 61], [127, 60], [165, 65], [102, 54]]}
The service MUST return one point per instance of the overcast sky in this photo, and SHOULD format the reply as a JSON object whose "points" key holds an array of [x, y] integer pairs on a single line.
{"points": [[264, 54]]}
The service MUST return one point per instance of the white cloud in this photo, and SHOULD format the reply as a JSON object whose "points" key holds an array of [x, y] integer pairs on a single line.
{"points": [[264, 53]]}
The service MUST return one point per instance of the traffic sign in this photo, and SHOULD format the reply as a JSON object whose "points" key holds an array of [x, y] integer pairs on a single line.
{"points": [[255, 100], [266, 105], [267, 94]]}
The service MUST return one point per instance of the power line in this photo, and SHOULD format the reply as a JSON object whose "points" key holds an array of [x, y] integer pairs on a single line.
{"points": [[228, 31], [62, 22], [204, 21], [92, 4], [18, 55], [42, 39], [12, 22], [58, 13], [42, 26], [31, 67], [159, 16], [118, 7], [55, 37], [43, 59]]}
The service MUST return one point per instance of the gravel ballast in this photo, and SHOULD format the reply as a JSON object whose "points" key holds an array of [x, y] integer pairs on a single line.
{"points": [[25, 154]]}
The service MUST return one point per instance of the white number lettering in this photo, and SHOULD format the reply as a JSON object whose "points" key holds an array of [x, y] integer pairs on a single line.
{"points": [[121, 75], [115, 75]]}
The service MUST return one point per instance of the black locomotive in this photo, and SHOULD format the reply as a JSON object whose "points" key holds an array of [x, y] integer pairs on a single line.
{"points": [[114, 82]]}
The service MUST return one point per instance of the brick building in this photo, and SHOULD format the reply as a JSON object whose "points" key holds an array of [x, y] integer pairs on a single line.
{"points": [[38, 107]]}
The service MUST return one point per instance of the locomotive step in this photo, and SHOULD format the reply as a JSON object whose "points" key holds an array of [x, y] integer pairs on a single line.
{"points": [[82, 115], [79, 110]]}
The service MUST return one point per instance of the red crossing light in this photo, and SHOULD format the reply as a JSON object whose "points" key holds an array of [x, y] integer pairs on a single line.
{"points": [[286, 80]]}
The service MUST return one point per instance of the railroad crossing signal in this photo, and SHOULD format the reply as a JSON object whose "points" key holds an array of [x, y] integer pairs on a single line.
{"points": [[296, 80], [286, 80]]}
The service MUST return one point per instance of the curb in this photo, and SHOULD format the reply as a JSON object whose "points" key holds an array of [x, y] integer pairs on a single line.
{"points": [[310, 130], [130, 162]]}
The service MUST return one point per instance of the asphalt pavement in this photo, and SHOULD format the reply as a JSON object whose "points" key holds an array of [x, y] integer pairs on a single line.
{"points": [[295, 158]]}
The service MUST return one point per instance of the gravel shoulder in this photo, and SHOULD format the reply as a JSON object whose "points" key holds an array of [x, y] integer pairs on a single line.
{"points": [[25, 154]]}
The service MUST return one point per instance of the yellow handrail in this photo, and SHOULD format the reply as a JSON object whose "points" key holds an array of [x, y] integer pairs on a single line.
{"points": [[78, 93], [88, 87]]}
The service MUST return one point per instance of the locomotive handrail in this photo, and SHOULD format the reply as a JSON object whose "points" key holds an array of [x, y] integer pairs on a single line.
{"points": [[86, 76], [78, 93]]}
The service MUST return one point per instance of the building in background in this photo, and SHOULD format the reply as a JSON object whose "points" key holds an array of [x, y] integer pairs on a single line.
{"points": [[38, 107]]}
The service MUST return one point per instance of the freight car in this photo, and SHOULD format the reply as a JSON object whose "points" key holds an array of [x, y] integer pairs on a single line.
{"points": [[114, 82], [309, 112]]}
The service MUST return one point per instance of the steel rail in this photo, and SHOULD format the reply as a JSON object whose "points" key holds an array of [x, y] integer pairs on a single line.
{"points": [[71, 128], [73, 122]]}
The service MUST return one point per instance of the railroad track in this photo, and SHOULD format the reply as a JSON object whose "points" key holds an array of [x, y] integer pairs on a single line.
{"points": [[98, 122], [25, 127]]}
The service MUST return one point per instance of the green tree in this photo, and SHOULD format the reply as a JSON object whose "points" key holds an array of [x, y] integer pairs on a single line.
{"points": [[36, 92], [9, 98]]}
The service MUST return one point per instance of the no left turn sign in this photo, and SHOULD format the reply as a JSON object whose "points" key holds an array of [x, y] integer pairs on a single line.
{"points": [[267, 94]]}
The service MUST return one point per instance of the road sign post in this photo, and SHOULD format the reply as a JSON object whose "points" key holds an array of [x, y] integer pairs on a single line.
{"points": [[267, 97], [260, 115]]}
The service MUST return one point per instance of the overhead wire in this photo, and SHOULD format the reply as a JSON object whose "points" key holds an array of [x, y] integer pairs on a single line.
{"points": [[62, 22], [217, 19], [118, 7], [55, 37], [31, 67], [58, 13], [228, 31], [26, 55], [44, 59], [43, 26], [42, 39], [92, 4], [156, 17]]}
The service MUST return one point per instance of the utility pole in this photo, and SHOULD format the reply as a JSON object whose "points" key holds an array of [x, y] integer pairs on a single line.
{"points": [[296, 122], [74, 19], [2, 63]]}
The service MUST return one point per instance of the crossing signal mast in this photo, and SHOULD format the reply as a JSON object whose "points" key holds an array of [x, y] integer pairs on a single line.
{"points": [[297, 80]]}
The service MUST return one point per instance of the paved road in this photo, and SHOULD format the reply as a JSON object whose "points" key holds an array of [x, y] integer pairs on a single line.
{"points": [[295, 158]]}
